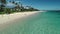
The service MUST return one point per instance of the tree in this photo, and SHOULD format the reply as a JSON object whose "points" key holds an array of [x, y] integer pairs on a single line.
{"points": [[18, 6], [3, 2]]}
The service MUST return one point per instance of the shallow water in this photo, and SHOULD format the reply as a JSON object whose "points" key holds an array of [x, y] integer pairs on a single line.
{"points": [[41, 23]]}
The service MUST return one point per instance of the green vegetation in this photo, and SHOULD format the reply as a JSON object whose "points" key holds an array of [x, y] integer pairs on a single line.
{"points": [[17, 8]]}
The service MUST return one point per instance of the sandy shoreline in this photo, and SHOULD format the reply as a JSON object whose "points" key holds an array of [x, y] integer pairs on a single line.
{"points": [[7, 20], [10, 17]]}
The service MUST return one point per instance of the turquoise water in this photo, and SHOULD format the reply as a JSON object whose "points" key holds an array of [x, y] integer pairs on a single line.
{"points": [[40, 23]]}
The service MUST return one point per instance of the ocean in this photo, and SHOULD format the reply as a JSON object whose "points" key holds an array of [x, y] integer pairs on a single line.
{"points": [[41, 23]]}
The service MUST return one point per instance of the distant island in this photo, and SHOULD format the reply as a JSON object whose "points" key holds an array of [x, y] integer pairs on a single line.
{"points": [[18, 7]]}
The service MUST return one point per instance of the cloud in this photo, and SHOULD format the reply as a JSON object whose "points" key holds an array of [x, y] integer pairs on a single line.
{"points": [[10, 5], [17, 1]]}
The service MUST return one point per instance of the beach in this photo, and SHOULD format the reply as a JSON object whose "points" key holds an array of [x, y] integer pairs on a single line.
{"points": [[10, 17], [36, 23]]}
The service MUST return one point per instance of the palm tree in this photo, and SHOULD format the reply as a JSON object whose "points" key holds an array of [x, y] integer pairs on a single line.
{"points": [[3, 2], [18, 6]]}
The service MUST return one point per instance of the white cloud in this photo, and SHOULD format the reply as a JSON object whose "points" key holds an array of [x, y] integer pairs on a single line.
{"points": [[17, 1], [10, 5]]}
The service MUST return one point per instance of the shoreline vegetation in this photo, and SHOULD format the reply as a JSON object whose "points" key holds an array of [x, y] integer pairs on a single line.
{"points": [[18, 7]]}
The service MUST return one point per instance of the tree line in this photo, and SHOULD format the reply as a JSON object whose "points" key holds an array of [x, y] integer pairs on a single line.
{"points": [[18, 8]]}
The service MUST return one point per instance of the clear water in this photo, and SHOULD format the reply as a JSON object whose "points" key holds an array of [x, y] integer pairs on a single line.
{"points": [[41, 23]]}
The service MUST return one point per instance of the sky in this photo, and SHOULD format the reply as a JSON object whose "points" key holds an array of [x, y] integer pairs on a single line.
{"points": [[41, 4]]}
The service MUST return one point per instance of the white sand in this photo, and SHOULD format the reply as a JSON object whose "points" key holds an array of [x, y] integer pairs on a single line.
{"points": [[10, 17]]}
